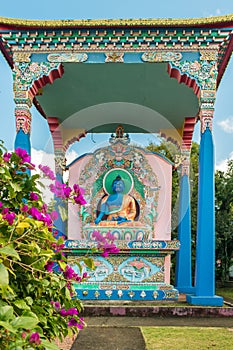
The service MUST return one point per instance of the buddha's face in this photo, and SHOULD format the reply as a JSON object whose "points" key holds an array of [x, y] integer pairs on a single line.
{"points": [[118, 186]]}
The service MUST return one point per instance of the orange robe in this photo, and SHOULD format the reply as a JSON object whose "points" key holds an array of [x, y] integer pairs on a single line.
{"points": [[126, 210]]}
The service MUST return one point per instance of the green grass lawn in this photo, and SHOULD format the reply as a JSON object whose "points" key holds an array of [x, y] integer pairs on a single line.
{"points": [[225, 292], [185, 338]]}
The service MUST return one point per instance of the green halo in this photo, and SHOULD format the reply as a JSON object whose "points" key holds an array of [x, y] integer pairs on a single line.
{"points": [[111, 175]]}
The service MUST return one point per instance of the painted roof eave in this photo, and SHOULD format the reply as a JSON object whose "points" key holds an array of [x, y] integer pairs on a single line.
{"points": [[217, 21]]}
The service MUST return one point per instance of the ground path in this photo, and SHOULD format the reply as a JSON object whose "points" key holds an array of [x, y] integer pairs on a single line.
{"points": [[124, 333]]}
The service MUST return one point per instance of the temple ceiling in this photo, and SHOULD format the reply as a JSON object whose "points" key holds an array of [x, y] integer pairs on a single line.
{"points": [[91, 96]]}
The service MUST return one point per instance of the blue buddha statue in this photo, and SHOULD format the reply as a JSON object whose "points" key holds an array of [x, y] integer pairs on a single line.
{"points": [[118, 206]]}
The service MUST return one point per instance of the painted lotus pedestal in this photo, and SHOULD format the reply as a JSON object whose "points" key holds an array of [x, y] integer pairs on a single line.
{"points": [[128, 191]]}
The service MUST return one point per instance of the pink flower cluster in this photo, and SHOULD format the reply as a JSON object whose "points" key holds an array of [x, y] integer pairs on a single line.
{"points": [[22, 153], [25, 158], [64, 192], [72, 322], [35, 338], [70, 274], [7, 215], [105, 243], [38, 215], [47, 171]]}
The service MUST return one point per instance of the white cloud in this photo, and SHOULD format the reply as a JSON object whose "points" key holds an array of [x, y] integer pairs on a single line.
{"points": [[41, 157], [222, 165], [70, 156], [227, 125], [217, 12]]}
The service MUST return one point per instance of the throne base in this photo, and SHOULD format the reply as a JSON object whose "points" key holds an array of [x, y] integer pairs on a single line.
{"points": [[137, 272]]}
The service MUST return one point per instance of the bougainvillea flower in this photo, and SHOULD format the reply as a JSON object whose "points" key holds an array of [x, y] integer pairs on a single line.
{"points": [[22, 153], [54, 215], [35, 338], [72, 311], [34, 196], [47, 171], [24, 208], [63, 312], [6, 157], [9, 217], [73, 323], [49, 266]]}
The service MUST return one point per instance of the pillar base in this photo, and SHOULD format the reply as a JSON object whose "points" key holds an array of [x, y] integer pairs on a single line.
{"points": [[204, 300], [186, 290]]}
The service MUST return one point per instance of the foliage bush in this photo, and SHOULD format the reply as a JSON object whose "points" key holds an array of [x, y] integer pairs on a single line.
{"points": [[37, 305]]}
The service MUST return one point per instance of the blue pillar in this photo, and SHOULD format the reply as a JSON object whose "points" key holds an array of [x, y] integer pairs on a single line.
{"points": [[184, 255], [205, 249], [22, 140]]}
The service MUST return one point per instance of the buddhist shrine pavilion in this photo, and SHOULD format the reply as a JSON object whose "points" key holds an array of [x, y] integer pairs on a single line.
{"points": [[146, 76]]}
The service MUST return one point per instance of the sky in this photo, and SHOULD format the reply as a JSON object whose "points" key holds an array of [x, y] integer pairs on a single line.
{"points": [[105, 9]]}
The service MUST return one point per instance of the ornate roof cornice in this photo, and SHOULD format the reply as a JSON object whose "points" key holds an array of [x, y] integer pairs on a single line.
{"points": [[219, 21]]}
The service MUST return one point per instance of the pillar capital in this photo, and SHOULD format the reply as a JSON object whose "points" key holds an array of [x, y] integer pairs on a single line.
{"points": [[60, 161], [31, 76], [206, 113], [23, 118], [182, 161], [199, 74], [185, 165]]}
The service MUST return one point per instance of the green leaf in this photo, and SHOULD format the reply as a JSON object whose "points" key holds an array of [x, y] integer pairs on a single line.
{"points": [[6, 313], [29, 300], [8, 251], [48, 345], [8, 326], [67, 294], [62, 212], [20, 304], [16, 187], [89, 262], [25, 322], [28, 313], [4, 276], [62, 265]]}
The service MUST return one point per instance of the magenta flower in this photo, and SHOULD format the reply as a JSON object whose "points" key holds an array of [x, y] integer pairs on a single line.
{"points": [[35, 338], [57, 247], [22, 153], [79, 200], [9, 217], [34, 196], [24, 208], [67, 190], [84, 275], [69, 273], [57, 305], [49, 266], [73, 323], [54, 215], [46, 219], [5, 211], [1, 204], [72, 311], [44, 208], [78, 190], [63, 312], [34, 212], [80, 326], [6, 157], [47, 171], [105, 243]]}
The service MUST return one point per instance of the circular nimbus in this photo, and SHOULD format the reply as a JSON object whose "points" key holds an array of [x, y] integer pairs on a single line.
{"points": [[112, 174]]}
